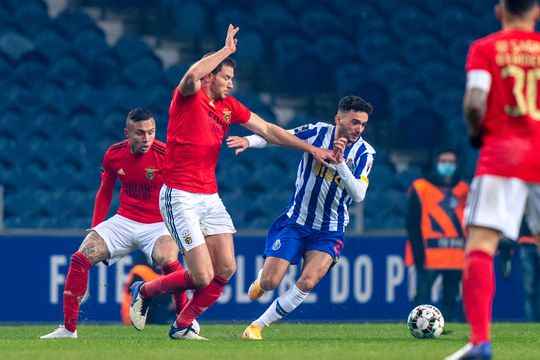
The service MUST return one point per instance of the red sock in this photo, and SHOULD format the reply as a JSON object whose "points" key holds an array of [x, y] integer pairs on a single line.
{"points": [[75, 288], [180, 298], [168, 284], [478, 291], [201, 300]]}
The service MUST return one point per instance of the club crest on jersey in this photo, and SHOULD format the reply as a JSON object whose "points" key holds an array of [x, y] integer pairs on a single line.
{"points": [[227, 115], [276, 245], [150, 173], [187, 237]]}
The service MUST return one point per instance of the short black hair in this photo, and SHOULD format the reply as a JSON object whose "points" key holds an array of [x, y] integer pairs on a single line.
{"points": [[138, 114], [226, 62], [519, 7], [355, 103]]}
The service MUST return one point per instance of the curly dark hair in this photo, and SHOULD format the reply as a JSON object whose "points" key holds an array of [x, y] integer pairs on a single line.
{"points": [[355, 103]]}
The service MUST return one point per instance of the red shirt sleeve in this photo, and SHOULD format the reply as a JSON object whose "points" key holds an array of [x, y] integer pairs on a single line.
{"points": [[241, 114], [477, 58], [105, 192]]}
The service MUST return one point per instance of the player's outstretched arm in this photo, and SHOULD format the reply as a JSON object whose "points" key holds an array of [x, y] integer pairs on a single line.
{"points": [[191, 82], [279, 136]]}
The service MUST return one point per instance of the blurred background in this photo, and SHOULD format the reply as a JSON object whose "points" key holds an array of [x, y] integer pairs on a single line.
{"points": [[70, 71]]}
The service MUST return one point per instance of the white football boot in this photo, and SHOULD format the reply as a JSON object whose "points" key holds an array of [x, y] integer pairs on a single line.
{"points": [[60, 333]]}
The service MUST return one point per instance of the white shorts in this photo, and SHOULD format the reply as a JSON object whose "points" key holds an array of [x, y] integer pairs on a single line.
{"points": [[191, 216], [123, 236], [499, 203]]}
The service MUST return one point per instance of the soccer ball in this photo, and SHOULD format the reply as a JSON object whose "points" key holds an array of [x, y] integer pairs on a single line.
{"points": [[425, 322]]}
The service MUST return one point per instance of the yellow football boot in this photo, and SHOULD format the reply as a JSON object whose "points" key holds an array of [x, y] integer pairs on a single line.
{"points": [[252, 332], [255, 290]]}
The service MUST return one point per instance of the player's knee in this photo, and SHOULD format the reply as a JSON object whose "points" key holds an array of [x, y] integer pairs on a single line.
{"points": [[163, 260], [202, 279], [226, 271], [268, 283]]}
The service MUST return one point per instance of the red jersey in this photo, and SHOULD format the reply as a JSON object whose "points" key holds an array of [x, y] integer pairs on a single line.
{"points": [[511, 126], [139, 194], [194, 136]]}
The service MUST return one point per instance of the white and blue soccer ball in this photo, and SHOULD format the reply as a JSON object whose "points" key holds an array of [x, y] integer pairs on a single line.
{"points": [[425, 322]]}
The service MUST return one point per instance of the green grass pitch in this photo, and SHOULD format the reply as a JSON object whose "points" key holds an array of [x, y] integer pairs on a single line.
{"points": [[282, 341]]}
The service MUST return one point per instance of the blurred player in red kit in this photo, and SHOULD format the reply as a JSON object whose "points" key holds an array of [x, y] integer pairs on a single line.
{"points": [[199, 117], [136, 225], [502, 110]]}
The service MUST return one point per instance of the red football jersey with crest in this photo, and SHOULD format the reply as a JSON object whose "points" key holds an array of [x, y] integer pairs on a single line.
{"points": [[194, 136], [511, 126], [140, 179]]}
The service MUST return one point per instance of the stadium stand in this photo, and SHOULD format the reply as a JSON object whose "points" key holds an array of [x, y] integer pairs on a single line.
{"points": [[67, 89]]}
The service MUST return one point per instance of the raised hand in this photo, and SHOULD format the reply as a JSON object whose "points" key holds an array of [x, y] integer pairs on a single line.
{"points": [[230, 41], [322, 155], [237, 142], [339, 148]]}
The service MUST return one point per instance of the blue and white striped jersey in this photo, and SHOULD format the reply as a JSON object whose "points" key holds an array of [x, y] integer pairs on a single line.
{"points": [[320, 200]]}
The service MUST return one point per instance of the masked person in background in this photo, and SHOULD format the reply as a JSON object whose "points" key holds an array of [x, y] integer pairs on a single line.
{"points": [[436, 237]]}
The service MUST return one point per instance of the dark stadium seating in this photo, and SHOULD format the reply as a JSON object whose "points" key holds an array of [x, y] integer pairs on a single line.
{"points": [[409, 21], [422, 49], [143, 72], [89, 44], [237, 16], [52, 44], [317, 22], [420, 129], [32, 16], [433, 73], [68, 72], [66, 91], [188, 19], [333, 50], [273, 17], [406, 100], [129, 48], [72, 21], [254, 49], [376, 48], [458, 22], [290, 48], [14, 45], [31, 70]]}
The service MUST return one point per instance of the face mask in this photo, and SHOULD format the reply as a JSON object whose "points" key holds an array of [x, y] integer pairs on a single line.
{"points": [[445, 169]]}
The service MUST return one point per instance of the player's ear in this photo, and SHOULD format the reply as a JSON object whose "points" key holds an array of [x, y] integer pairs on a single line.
{"points": [[337, 119], [498, 12]]}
